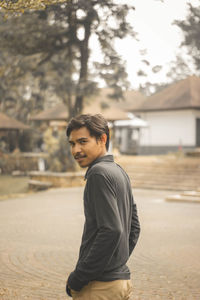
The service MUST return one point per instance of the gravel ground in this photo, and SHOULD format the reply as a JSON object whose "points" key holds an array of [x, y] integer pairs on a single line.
{"points": [[40, 237]]}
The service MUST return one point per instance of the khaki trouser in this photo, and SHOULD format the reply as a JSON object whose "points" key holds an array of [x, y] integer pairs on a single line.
{"points": [[98, 290]]}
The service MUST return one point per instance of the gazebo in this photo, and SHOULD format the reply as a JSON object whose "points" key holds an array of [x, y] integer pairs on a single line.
{"points": [[8, 124], [128, 132], [110, 108]]}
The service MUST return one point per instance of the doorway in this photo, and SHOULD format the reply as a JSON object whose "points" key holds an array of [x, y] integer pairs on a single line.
{"points": [[198, 132]]}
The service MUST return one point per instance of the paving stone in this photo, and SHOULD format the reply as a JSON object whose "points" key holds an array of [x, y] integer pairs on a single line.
{"points": [[40, 237], [192, 193], [187, 197]]}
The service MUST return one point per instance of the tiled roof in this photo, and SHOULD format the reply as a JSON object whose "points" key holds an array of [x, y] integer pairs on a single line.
{"points": [[100, 103], [58, 112], [8, 123], [181, 95]]}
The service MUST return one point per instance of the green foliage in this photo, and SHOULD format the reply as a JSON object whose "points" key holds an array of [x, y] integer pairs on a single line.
{"points": [[45, 57], [185, 64], [179, 69], [191, 30], [22, 5], [50, 54], [57, 147]]}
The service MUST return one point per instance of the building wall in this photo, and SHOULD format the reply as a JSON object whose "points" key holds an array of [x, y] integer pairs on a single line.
{"points": [[169, 130], [127, 139]]}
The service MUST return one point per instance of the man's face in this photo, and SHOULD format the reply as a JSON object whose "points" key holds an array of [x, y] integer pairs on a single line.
{"points": [[85, 148]]}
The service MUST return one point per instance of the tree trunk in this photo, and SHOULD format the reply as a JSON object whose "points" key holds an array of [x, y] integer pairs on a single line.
{"points": [[84, 50]]}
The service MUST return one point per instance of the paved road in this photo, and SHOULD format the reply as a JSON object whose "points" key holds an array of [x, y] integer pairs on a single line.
{"points": [[40, 236]]}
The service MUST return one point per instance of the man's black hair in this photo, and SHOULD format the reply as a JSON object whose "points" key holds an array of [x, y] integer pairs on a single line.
{"points": [[96, 125]]}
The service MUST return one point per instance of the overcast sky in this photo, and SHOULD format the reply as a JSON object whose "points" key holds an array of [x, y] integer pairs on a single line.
{"points": [[152, 20]]}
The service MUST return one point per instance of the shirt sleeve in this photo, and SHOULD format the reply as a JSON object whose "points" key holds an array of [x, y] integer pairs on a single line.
{"points": [[109, 231], [135, 228]]}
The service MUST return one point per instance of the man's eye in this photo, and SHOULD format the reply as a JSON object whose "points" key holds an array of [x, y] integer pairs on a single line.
{"points": [[83, 142]]}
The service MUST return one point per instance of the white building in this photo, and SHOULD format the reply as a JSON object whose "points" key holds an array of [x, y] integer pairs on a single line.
{"points": [[173, 117], [127, 134]]}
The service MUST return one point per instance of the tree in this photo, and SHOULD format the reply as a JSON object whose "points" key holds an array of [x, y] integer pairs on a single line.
{"points": [[19, 91], [60, 38], [180, 68], [146, 72], [187, 61], [21, 5], [49, 51], [191, 30]]}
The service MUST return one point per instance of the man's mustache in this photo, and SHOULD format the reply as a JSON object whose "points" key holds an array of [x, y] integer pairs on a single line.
{"points": [[77, 156]]}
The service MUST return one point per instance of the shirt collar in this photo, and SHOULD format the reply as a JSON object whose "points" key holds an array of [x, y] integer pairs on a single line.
{"points": [[105, 158]]}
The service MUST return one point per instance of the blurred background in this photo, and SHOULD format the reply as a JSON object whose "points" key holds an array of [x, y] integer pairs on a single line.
{"points": [[136, 62]]}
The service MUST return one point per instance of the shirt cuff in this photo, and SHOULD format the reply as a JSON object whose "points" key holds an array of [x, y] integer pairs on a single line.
{"points": [[74, 283], [68, 291]]}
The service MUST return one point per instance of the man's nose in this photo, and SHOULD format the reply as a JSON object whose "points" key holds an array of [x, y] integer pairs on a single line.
{"points": [[76, 149]]}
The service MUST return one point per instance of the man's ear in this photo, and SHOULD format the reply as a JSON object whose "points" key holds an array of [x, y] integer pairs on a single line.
{"points": [[104, 138]]}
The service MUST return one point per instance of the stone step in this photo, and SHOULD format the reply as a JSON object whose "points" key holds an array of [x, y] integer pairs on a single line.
{"points": [[191, 193], [163, 171], [183, 198], [190, 184], [164, 176], [169, 177], [160, 187], [59, 179], [163, 185], [39, 185], [174, 186], [162, 166], [172, 166]]}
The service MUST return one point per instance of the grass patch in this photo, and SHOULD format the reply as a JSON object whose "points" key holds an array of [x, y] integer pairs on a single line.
{"points": [[13, 185]]}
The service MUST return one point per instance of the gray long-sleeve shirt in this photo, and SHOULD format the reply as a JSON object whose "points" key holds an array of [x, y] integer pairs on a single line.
{"points": [[111, 227]]}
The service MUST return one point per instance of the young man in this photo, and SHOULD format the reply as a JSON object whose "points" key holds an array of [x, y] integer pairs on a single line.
{"points": [[111, 227]]}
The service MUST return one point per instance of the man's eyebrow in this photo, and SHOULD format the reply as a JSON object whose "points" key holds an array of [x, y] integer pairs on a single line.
{"points": [[83, 138], [79, 140]]}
